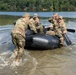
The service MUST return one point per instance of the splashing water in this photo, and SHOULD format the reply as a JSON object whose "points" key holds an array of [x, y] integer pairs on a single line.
{"points": [[28, 62], [7, 63]]}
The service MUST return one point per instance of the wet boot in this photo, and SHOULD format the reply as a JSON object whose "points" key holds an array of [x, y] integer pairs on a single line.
{"points": [[61, 44]]}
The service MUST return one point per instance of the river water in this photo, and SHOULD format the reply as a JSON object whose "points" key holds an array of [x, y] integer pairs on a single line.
{"points": [[60, 61]]}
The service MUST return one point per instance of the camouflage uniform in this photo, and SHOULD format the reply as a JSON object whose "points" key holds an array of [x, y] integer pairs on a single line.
{"points": [[32, 25], [37, 27], [54, 18], [59, 28], [53, 22], [63, 27], [18, 36]]}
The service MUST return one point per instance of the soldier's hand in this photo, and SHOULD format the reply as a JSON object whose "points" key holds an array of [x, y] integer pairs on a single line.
{"points": [[64, 32]]}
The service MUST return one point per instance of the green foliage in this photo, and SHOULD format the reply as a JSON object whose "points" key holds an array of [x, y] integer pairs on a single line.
{"points": [[37, 5]]}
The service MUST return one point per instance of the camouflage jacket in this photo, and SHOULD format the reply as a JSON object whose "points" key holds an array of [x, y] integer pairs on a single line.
{"points": [[58, 27], [20, 26]]}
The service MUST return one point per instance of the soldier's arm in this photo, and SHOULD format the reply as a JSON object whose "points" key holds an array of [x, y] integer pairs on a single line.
{"points": [[51, 26], [38, 27], [64, 28], [50, 19], [32, 27]]}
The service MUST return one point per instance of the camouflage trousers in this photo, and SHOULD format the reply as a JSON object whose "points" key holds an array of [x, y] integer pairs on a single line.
{"points": [[59, 34], [19, 43]]}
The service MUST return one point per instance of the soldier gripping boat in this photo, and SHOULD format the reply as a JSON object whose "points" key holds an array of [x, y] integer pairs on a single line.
{"points": [[39, 39]]}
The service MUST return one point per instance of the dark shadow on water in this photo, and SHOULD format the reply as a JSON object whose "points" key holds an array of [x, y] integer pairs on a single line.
{"points": [[39, 49]]}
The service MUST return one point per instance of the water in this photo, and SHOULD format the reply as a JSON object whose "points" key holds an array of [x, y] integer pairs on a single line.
{"points": [[61, 61], [41, 14]]}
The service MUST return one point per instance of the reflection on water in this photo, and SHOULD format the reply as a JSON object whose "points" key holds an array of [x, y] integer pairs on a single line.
{"points": [[61, 61], [7, 20]]}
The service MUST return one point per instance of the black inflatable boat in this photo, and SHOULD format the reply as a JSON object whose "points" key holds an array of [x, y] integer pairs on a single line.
{"points": [[41, 41]]}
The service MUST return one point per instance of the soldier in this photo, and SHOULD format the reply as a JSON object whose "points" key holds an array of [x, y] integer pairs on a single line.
{"points": [[58, 28], [36, 24], [61, 29], [18, 35], [54, 18], [62, 25]]}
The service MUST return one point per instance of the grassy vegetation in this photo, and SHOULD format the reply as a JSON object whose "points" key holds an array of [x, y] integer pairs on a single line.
{"points": [[37, 5]]}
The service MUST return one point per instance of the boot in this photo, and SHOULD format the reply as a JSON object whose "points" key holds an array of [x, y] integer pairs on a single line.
{"points": [[61, 44]]}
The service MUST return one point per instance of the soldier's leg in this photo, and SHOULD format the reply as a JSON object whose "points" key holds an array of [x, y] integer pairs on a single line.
{"points": [[16, 48], [50, 33], [61, 40], [41, 29], [21, 44], [21, 47], [14, 40]]}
